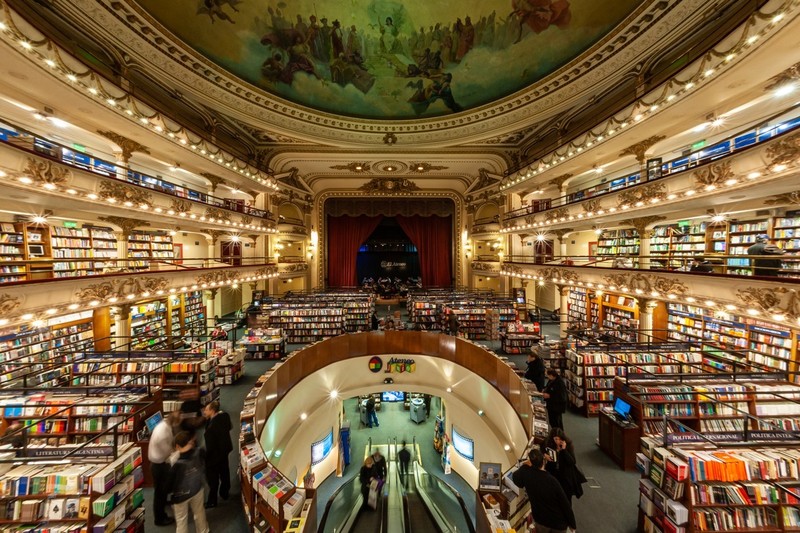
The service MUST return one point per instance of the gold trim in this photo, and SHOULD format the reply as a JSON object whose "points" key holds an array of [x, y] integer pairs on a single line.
{"points": [[8, 304], [121, 288]]}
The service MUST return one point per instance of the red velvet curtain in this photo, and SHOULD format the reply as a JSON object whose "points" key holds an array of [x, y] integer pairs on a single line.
{"points": [[345, 236], [433, 238]]}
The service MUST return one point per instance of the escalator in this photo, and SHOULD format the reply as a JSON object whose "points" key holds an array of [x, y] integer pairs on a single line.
{"points": [[417, 515]]}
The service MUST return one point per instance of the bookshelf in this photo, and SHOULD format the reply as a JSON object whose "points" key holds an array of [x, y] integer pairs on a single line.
{"points": [[618, 242], [519, 342], [101, 493], [424, 315], [742, 235], [39, 251], [12, 250], [72, 252], [264, 343], [472, 319], [148, 325], [786, 235], [194, 312], [104, 246], [146, 246], [303, 324], [676, 244], [620, 317], [230, 365], [358, 314]]}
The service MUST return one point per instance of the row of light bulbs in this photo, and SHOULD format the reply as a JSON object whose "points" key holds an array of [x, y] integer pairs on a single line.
{"points": [[611, 210], [146, 207], [156, 122], [599, 287], [638, 112], [37, 322]]}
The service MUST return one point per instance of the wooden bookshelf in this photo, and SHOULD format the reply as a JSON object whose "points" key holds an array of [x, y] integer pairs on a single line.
{"points": [[146, 246], [12, 250], [618, 242]]}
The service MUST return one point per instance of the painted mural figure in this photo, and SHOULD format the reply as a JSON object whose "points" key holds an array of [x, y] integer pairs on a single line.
{"points": [[466, 39], [337, 39], [214, 8], [540, 14]]}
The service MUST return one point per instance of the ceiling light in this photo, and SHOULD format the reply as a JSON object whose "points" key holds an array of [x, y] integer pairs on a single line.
{"points": [[303, 416], [752, 311], [752, 39], [785, 89], [39, 219], [718, 218], [779, 168], [690, 299], [754, 175], [50, 63], [334, 394], [779, 317], [700, 127], [93, 91], [717, 122], [25, 179], [26, 45], [709, 303]]}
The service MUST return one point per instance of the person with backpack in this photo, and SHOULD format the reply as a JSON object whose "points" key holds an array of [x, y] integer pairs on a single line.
{"points": [[185, 484], [372, 418]]}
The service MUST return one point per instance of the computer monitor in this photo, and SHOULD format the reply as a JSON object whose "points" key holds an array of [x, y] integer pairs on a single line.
{"points": [[622, 408], [392, 396]]}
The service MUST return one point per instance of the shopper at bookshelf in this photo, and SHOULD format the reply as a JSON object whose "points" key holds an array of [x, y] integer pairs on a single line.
{"points": [[555, 397], [765, 266], [551, 510], [453, 325], [564, 468], [191, 410], [218, 446], [535, 370], [365, 477], [186, 483], [372, 417], [160, 448], [700, 264]]}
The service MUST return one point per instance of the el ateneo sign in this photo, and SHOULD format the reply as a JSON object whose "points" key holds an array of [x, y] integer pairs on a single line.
{"points": [[395, 365]]}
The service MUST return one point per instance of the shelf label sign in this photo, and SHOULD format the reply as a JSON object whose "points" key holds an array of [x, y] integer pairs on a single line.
{"points": [[70, 224]]}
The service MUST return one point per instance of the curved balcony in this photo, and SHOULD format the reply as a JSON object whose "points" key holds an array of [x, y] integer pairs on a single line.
{"points": [[23, 301], [737, 163], [28, 159], [485, 227], [773, 298], [292, 227]]}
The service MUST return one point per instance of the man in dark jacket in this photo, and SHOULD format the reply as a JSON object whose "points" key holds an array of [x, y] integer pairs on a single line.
{"points": [[699, 264], [765, 266], [550, 507], [535, 370], [555, 398], [218, 446], [404, 458]]}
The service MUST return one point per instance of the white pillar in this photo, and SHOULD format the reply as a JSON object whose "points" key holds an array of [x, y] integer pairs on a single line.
{"points": [[563, 317]]}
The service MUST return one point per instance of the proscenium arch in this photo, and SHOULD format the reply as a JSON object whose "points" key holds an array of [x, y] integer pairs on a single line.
{"points": [[509, 409]]}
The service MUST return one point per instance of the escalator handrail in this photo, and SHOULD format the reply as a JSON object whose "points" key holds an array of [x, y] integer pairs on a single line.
{"points": [[331, 500], [404, 497], [459, 499]]}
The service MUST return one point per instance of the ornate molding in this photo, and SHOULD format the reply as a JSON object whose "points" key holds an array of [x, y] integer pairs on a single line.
{"points": [[8, 304], [641, 224], [127, 225], [713, 175], [294, 267], [219, 277], [639, 196], [773, 300], [246, 220], [355, 167], [215, 235], [423, 168], [646, 285], [45, 172], [785, 198], [180, 206], [557, 214], [639, 150], [267, 272], [121, 288], [125, 194], [389, 186], [219, 214], [561, 232], [214, 180], [591, 206], [128, 146], [558, 181], [785, 152], [482, 266], [560, 275], [790, 75]]}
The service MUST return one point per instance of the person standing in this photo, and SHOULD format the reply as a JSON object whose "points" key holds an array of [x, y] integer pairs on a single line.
{"points": [[564, 468], [372, 417], [700, 264], [555, 397], [374, 322], [218, 446], [535, 370], [453, 325], [185, 483], [158, 452], [550, 507], [765, 266], [404, 457], [378, 465], [365, 477]]}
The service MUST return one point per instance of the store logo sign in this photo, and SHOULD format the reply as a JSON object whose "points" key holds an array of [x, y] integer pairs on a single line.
{"points": [[398, 366], [375, 364]]}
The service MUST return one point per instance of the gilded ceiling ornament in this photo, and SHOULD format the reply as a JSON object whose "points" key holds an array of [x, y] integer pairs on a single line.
{"points": [[774, 300], [558, 181], [246, 220], [713, 175], [591, 206], [646, 284], [355, 168], [788, 76], [266, 271], [220, 276], [642, 224], [128, 146], [639, 150], [530, 219], [294, 267], [785, 151], [638, 196], [214, 180], [127, 225], [390, 139], [8, 304], [180, 206], [43, 172], [120, 288], [513, 269], [123, 193], [785, 198], [471, 209], [389, 186], [556, 214], [215, 235], [214, 213], [484, 180], [422, 168], [560, 275]]}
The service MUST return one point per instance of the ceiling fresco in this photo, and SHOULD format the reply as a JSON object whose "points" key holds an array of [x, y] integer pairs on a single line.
{"points": [[388, 59]]}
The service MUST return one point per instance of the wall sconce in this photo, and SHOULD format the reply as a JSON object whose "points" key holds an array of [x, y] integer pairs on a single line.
{"points": [[468, 249]]}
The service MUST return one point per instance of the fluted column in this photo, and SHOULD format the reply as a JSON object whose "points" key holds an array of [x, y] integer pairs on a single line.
{"points": [[563, 320]]}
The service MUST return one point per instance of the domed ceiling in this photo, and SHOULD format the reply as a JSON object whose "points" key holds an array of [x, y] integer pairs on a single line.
{"points": [[387, 59]]}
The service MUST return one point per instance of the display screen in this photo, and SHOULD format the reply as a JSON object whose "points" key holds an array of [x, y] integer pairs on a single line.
{"points": [[393, 396], [321, 448], [153, 421], [622, 408], [464, 445]]}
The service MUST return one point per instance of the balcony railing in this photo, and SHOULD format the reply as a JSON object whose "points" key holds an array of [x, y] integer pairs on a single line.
{"points": [[735, 143], [30, 142]]}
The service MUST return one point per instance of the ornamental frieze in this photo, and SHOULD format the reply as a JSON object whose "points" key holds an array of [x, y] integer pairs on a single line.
{"points": [[8, 304], [561, 275], [714, 175], [785, 198], [638, 196], [646, 284], [294, 267], [45, 172], [121, 288], [773, 300], [785, 152], [218, 277], [389, 186], [125, 194]]}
